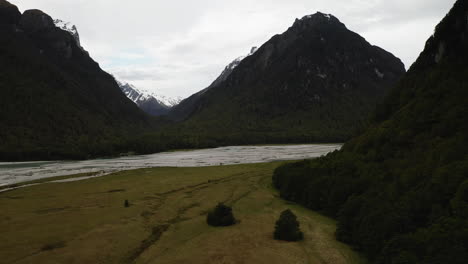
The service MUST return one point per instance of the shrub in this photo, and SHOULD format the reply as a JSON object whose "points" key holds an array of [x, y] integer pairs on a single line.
{"points": [[287, 227], [221, 216]]}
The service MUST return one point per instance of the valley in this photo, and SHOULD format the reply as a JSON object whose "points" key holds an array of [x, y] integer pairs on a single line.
{"points": [[86, 221], [100, 167]]}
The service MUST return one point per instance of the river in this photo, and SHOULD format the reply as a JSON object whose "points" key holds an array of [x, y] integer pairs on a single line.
{"points": [[16, 172]]}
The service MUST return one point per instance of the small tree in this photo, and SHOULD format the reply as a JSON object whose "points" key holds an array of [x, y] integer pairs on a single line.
{"points": [[221, 216], [287, 227]]}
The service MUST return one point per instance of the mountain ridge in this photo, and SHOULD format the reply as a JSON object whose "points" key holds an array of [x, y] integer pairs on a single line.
{"points": [[311, 78], [186, 106]]}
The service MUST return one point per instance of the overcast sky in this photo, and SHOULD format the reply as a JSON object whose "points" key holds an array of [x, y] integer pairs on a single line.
{"points": [[178, 47]]}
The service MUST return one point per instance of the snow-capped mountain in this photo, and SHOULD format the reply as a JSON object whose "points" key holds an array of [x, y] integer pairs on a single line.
{"points": [[69, 27], [169, 101], [149, 102]]}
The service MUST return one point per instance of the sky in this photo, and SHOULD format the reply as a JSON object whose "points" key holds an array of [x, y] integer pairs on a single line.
{"points": [[177, 48]]}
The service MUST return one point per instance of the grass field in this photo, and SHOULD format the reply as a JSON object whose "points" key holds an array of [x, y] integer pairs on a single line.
{"points": [[86, 221]]}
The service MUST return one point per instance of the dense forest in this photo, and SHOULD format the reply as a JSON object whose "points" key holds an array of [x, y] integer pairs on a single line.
{"points": [[400, 190]]}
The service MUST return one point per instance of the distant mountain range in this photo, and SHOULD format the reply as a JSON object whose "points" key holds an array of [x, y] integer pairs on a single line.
{"points": [[318, 81], [151, 103]]}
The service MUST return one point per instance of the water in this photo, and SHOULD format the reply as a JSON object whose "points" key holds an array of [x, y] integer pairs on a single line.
{"points": [[15, 172]]}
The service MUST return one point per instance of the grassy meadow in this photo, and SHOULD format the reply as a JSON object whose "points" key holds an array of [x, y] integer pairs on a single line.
{"points": [[86, 221]]}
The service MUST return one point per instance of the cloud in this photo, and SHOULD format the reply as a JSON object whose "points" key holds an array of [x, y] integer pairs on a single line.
{"points": [[179, 47]]}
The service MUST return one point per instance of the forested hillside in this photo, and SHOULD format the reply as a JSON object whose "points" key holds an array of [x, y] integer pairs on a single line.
{"points": [[55, 101], [400, 190]]}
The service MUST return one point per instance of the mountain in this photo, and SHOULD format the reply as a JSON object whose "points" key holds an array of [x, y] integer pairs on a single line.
{"points": [[400, 189], [185, 107], [56, 101], [318, 81], [148, 102]]}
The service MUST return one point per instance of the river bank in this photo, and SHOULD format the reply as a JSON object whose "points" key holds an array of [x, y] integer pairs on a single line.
{"points": [[18, 172]]}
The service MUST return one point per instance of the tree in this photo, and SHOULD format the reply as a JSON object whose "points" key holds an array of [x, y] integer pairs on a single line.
{"points": [[287, 227], [221, 216]]}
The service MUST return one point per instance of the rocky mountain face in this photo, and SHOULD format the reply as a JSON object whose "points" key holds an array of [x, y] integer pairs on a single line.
{"points": [[67, 26], [182, 110], [400, 189], [60, 103], [318, 81], [151, 104]]}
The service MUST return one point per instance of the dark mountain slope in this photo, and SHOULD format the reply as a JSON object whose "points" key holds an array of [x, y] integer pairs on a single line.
{"points": [[318, 81], [400, 190], [187, 106], [56, 101]]}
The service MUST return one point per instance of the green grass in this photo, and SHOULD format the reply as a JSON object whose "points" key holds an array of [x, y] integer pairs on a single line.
{"points": [[86, 222]]}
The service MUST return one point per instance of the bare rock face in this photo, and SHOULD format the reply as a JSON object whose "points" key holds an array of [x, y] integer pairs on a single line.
{"points": [[36, 20], [9, 14]]}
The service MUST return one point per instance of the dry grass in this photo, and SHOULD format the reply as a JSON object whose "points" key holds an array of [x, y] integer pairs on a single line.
{"points": [[86, 222]]}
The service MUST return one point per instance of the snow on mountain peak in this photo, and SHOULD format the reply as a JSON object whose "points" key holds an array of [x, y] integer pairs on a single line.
{"points": [[318, 14], [70, 28], [139, 95], [67, 26]]}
